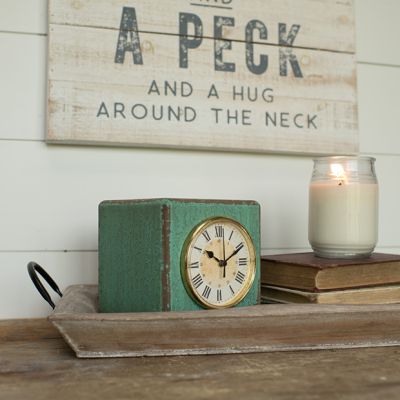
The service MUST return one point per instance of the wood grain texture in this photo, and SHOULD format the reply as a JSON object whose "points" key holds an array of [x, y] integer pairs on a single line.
{"points": [[95, 99], [39, 365], [327, 25], [254, 329], [56, 175], [23, 83]]}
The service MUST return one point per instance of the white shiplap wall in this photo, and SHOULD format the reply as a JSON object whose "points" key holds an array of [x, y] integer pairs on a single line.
{"points": [[49, 194]]}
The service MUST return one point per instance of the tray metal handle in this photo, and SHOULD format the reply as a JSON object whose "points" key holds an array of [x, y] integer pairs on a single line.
{"points": [[34, 269]]}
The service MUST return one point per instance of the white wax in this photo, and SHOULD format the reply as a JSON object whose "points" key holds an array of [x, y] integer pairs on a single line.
{"points": [[343, 216]]}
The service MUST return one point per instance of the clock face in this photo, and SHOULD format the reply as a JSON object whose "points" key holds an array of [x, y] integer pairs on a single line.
{"points": [[218, 263]]}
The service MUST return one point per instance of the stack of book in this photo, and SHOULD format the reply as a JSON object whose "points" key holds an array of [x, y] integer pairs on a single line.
{"points": [[304, 278]]}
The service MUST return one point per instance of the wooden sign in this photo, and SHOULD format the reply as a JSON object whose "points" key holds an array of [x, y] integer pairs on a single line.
{"points": [[241, 75]]}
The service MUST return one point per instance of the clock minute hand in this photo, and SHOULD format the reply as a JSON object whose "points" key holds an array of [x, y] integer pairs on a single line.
{"points": [[235, 252], [223, 250]]}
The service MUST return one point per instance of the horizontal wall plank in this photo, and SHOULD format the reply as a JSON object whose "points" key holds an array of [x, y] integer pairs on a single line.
{"points": [[377, 31], [28, 16], [379, 105], [324, 24], [23, 86], [49, 201], [387, 168], [20, 299]]}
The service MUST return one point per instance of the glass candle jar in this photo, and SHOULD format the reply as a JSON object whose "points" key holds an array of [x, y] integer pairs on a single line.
{"points": [[343, 207]]}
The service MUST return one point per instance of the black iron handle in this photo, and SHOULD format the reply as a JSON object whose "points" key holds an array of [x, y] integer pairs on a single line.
{"points": [[33, 270]]}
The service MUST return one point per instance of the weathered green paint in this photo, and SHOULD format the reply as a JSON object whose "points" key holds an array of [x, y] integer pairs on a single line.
{"points": [[140, 245]]}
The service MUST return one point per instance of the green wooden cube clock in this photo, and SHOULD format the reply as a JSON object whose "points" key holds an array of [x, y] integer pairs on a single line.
{"points": [[178, 254]]}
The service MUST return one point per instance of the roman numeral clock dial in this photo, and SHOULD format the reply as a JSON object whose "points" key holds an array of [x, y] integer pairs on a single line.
{"points": [[218, 263]]}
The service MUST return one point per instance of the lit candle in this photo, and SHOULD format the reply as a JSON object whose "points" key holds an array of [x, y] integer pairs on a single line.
{"points": [[343, 207]]}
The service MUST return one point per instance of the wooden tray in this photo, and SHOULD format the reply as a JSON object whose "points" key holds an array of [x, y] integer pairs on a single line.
{"points": [[260, 328]]}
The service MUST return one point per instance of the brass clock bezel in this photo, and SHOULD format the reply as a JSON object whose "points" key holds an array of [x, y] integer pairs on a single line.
{"points": [[185, 255]]}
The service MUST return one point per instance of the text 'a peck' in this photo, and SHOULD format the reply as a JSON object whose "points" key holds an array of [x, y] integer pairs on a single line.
{"points": [[129, 42]]}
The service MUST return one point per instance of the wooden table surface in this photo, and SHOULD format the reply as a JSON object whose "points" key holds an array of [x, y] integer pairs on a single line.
{"points": [[35, 363]]}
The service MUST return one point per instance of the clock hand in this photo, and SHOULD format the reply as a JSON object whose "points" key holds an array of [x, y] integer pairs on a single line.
{"points": [[223, 250], [211, 255], [221, 263], [235, 252]]}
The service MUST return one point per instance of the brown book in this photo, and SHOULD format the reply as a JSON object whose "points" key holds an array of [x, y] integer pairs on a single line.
{"points": [[305, 271], [370, 295]]}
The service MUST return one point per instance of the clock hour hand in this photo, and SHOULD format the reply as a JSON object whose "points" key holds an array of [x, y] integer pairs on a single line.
{"points": [[240, 247], [210, 254]]}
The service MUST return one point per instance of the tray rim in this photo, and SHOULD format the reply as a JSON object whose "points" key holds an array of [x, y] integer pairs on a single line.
{"points": [[255, 329], [260, 310]]}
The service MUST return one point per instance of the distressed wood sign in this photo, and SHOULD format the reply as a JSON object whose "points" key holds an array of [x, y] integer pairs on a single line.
{"points": [[241, 75]]}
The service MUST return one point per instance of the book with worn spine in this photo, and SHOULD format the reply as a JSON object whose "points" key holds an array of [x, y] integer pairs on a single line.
{"points": [[305, 271]]}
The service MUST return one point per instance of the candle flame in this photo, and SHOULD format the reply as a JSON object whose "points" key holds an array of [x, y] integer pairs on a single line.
{"points": [[338, 173]]}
